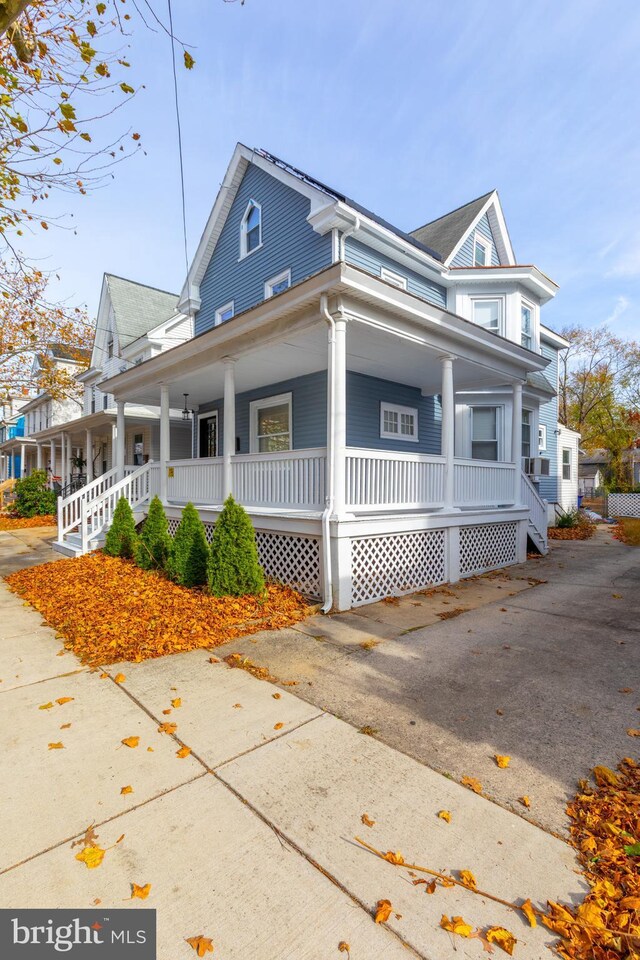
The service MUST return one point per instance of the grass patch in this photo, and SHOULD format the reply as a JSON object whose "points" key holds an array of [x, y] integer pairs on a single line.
{"points": [[108, 609], [628, 531]]}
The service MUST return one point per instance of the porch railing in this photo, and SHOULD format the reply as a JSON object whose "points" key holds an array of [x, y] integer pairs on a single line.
{"points": [[199, 481], [483, 483], [537, 508], [294, 479], [70, 508], [97, 515], [378, 479]]}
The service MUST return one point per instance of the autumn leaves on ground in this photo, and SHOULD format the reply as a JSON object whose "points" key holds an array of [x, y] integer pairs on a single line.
{"points": [[109, 610]]}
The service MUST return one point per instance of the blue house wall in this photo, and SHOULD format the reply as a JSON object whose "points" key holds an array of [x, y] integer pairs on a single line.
{"points": [[309, 413], [288, 241], [464, 256], [360, 255], [549, 418]]}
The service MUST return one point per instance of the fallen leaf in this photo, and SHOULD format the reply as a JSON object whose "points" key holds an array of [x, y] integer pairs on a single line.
{"points": [[56, 746], [183, 752], [383, 911], [140, 892], [368, 731], [91, 856], [167, 728], [119, 678], [201, 945], [367, 821], [502, 760], [468, 879], [278, 726], [131, 741], [527, 909], [500, 713], [276, 696], [46, 706], [126, 790], [502, 938], [625, 690], [525, 801], [149, 749], [633, 733], [65, 726], [395, 858], [176, 703], [166, 712], [237, 706], [63, 700], [456, 925], [605, 776], [344, 947], [445, 815], [472, 784]]}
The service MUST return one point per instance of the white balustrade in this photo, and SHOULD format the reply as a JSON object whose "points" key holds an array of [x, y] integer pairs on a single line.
{"points": [[388, 479], [292, 479], [70, 508], [198, 481], [537, 508], [97, 515], [483, 483]]}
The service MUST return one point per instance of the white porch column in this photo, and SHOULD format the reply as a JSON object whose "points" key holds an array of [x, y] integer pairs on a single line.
{"points": [[119, 452], [89, 455], [340, 418], [23, 460], [38, 456], [229, 427], [10, 466], [52, 455], [448, 426], [516, 439], [63, 459], [165, 440], [69, 459]]}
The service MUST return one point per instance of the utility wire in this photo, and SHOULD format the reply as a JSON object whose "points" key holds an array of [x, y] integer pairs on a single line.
{"points": [[175, 90]]}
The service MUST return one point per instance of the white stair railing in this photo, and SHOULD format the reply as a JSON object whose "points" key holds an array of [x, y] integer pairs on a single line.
{"points": [[70, 508], [98, 514], [537, 508]]}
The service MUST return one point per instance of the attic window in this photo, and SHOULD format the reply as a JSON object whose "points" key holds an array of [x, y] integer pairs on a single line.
{"points": [[481, 251], [110, 347], [251, 229]]}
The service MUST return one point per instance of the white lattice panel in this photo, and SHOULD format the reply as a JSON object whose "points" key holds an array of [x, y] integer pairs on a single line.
{"points": [[487, 546], [395, 564], [292, 560], [624, 505]]}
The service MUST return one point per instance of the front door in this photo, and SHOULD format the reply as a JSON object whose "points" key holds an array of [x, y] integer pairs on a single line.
{"points": [[208, 435]]}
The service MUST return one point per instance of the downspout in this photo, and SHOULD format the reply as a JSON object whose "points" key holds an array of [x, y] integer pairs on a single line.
{"points": [[329, 500], [347, 233]]}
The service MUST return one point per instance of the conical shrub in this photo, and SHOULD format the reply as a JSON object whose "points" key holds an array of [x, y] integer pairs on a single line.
{"points": [[154, 541], [189, 554], [234, 569], [121, 536]]}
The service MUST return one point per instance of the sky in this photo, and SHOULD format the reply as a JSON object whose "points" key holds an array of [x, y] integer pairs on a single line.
{"points": [[410, 107]]}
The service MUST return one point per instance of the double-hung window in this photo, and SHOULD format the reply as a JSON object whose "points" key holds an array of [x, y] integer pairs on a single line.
{"points": [[481, 251], [251, 229], [542, 437], [271, 424], [487, 313], [526, 337], [398, 423], [277, 284], [224, 313], [566, 463], [484, 433], [526, 433]]}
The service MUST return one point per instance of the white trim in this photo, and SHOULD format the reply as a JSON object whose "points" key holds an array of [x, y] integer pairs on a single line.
{"points": [[396, 279], [542, 437], [270, 284], [480, 241], [501, 313], [207, 415], [396, 408], [569, 464], [256, 405], [224, 309], [500, 429], [527, 305], [244, 252], [493, 209]]}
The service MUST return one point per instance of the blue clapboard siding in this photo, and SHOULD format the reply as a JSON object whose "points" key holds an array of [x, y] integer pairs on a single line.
{"points": [[360, 255], [464, 256], [309, 406], [287, 242], [549, 418]]}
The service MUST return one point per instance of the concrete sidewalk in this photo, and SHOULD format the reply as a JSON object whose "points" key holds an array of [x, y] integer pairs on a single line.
{"points": [[249, 839]]}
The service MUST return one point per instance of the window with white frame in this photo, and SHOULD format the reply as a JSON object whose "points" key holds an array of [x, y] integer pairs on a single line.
{"points": [[542, 437], [271, 424], [526, 337], [566, 463], [110, 347], [398, 423], [395, 278], [481, 251], [224, 313], [251, 229], [526, 433], [484, 433], [277, 284], [487, 313]]}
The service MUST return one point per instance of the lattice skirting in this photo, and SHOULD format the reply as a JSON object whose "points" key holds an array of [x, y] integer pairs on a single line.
{"points": [[396, 563], [487, 546], [624, 504], [285, 557]]}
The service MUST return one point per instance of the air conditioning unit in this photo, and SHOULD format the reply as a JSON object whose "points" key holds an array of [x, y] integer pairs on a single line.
{"points": [[536, 466]]}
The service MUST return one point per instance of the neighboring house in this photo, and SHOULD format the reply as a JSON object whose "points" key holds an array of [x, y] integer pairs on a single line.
{"points": [[134, 323], [11, 434], [371, 396], [593, 468]]}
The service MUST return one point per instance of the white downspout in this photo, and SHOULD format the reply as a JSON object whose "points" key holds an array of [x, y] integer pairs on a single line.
{"points": [[328, 510], [347, 233]]}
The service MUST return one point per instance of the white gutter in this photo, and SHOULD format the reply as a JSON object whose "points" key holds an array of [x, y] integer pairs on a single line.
{"points": [[329, 499], [346, 233]]}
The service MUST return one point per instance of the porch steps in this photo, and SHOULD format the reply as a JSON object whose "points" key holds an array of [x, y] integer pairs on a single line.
{"points": [[71, 544]]}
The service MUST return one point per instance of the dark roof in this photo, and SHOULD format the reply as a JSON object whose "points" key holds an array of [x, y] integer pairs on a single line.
{"points": [[445, 233], [336, 195], [588, 469], [539, 382], [138, 308], [60, 351]]}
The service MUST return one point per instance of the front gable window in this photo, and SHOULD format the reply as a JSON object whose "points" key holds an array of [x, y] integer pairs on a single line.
{"points": [[251, 229], [398, 423], [488, 314], [481, 251]]}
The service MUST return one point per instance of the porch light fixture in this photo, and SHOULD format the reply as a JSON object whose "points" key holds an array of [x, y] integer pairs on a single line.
{"points": [[186, 413]]}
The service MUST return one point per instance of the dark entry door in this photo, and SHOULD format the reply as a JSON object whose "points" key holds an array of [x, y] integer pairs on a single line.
{"points": [[208, 436]]}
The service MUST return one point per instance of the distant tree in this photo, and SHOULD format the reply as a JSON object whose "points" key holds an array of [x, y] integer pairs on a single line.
{"points": [[189, 554], [234, 568], [154, 542], [121, 536]]}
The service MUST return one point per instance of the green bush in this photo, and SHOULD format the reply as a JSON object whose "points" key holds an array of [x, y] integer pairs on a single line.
{"points": [[187, 563], [154, 542], [568, 519], [33, 498], [121, 537], [234, 569]]}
